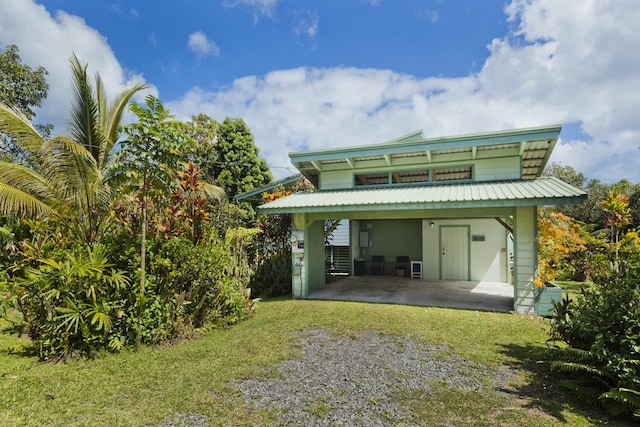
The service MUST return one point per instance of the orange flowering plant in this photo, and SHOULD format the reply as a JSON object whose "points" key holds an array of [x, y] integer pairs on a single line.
{"points": [[559, 237]]}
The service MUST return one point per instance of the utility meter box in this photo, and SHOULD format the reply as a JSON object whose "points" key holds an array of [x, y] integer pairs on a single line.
{"points": [[297, 242]]}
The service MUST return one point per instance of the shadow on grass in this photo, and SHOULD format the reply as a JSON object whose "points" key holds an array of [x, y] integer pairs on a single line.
{"points": [[16, 343], [543, 391]]}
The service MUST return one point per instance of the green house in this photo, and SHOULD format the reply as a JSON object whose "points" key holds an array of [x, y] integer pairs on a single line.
{"points": [[454, 208]]}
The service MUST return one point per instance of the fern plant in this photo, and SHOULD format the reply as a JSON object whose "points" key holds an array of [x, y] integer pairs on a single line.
{"points": [[600, 353]]}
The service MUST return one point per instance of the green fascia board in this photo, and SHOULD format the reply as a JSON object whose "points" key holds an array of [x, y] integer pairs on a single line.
{"points": [[250, 195], [417, 213], [425, 206], [460, 141]]}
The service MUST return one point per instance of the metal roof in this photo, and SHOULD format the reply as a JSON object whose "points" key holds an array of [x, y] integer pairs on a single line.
{"points": [[533, 145], [256, 194], [540, 191]]}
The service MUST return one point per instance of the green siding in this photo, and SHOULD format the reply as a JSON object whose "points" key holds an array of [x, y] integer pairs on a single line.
{"points": [[393, 238], [526, 260]]}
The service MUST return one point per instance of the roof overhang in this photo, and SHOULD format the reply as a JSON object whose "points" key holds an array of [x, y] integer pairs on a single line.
{"points": [[537, 192], [255, 195], [534, 145]]}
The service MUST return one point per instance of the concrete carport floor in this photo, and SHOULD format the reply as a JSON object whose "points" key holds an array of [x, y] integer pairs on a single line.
{"points": [[485, 296]]}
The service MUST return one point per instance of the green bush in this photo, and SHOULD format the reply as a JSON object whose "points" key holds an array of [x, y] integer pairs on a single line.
{"points": [[601, 330], [273, 274], [78, 300], [69, 301]]}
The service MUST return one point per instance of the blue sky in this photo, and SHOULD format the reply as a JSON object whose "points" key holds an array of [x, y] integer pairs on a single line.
{"points": [[422, 38], [328, 73]]}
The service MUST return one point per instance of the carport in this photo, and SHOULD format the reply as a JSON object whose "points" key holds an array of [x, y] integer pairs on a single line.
{"points": [[483, 296]]}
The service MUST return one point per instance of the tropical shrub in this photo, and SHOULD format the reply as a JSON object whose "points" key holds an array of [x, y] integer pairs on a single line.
{"points": [[273, 258], [560, 238], [597, 336], [69, 301], [78, 300]]}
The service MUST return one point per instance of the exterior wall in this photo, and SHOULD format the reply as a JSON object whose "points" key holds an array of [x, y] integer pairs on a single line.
{"points": [[336, 180], [299, 287], [488, 259], [526, 259], [308, 261], [340, 236], [484, 170], [497, 169], [391, 238]]}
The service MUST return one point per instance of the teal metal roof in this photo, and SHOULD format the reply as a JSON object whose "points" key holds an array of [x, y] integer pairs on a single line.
{"points": [[256, 194], [534, 146], [540, 191]]}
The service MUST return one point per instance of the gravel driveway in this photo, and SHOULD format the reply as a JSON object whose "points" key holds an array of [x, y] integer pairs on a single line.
{"points": [[350, 380]]}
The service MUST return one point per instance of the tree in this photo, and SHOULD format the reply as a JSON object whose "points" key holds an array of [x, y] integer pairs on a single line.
{"points": [[559, 238], [238, 168], [95, 121], [590, 211], [203, 129], [21, 87], [617, 216], [634, 205], [150, 155], [64, 176], [566, 174]]}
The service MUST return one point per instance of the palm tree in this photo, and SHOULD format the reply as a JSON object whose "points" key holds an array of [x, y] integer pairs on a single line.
{"points": [[64, 176]]}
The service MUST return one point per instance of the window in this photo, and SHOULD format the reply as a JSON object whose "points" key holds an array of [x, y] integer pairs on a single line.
{"points": [[410, 177], [452, 174], [372, 179], [416, 176]]}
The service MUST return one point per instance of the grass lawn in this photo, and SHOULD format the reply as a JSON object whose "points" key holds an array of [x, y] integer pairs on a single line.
{"points": [[154, 384], [571, 288]]}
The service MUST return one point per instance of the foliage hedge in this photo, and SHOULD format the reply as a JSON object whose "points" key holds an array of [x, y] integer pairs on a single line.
{"points": [[79, 300], [597, 337]]}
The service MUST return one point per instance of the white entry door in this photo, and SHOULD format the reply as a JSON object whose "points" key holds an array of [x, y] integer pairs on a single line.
{"points": [[454, 252]]}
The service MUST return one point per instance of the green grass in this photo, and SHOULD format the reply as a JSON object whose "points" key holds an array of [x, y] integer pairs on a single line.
{"points": [[570, 288], [154, 384]]}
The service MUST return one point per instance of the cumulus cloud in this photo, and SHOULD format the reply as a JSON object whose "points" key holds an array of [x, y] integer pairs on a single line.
{"points": [[258, 8], [200, 44], [50, 41], [562, 62], [571, 62]]}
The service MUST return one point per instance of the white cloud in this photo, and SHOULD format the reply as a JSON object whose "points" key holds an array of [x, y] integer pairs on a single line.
{"points": [[50, 41], [305, 26], [569, 62], [258, 7], [564, 62], [200, 44]]}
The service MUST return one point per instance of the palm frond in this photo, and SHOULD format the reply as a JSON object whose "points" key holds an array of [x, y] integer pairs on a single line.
{"points": [[111, 115], [77, 175], [213, 192], [19, 128], [24, 191], [85, 122]]}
